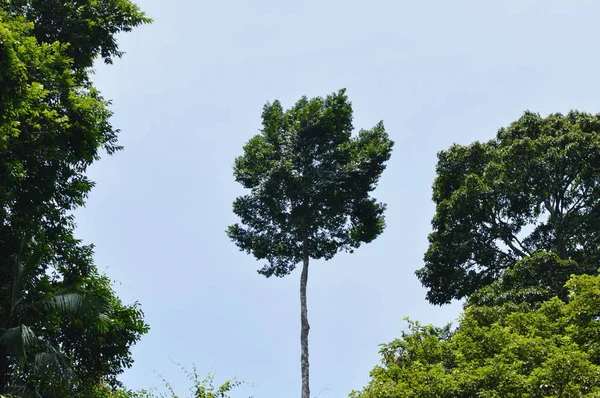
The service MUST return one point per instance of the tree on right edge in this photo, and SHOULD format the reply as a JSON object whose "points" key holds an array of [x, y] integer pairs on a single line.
{"points": [[549, 350], [516, 234], [522, 206], [309, 183]]}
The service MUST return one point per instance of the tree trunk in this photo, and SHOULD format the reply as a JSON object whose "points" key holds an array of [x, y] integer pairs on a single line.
{"points": [[304, 324]]}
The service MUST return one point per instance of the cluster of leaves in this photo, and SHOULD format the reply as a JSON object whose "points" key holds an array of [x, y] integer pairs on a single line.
{"points": [[66, 335], [535, 187], [88, 27], [516, 233], [62, 329], [310, 183], [512, 350]]}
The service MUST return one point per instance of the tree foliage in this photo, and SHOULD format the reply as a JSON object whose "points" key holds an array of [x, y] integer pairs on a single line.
{"points": [[88, 28], [516, 233], [310, 184], [61, 338], [533, 279], [534, 188], [56, 311], [512, 350]]}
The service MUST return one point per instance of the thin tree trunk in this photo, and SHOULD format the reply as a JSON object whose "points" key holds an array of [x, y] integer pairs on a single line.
{"points": [[304, 324]]}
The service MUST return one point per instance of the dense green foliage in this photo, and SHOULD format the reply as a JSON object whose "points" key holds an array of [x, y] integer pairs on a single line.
{"points": [[516, 233], [62, 329], [516, 230], [535, 187], [512, 350], [89, 27], [532, 279], [310, 183]]}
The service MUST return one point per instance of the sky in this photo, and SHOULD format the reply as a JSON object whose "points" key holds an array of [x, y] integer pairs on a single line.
{"points": [[188, 95]]}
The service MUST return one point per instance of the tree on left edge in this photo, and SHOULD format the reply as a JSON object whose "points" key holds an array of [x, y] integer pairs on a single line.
{"points": [[62, 329]]}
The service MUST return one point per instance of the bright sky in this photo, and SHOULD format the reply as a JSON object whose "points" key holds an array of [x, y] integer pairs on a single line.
{"points": [[189, 93]]}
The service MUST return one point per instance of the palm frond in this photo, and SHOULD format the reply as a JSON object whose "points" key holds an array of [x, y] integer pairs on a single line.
{"points": [[19, 339], [28, 390], [79, 305], [70, 303], [104, 321], [36, 360], [23, 270], [51, 362]]}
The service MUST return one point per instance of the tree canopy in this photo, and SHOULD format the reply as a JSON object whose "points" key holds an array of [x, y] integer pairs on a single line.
{"points": [[512, 350], [56, 311], [534, 188], [516, 234], [86, 28], [310, 183]]}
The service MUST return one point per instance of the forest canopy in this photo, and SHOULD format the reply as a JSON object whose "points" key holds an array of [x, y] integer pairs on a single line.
{"points": [[515, 233]]}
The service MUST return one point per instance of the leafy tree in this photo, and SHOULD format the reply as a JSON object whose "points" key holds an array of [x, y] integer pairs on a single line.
{"points": [[512, 350], [120, 326], [29, 358], [51, 332], [88, 26], [53, 125], [534, 188], [310, 183]]}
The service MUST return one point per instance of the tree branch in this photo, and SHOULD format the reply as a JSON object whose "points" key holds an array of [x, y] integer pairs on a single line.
{"points": [[523, 252]]}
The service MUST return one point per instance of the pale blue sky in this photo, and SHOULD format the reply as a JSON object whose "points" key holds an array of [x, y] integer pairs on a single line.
{"points": [[188, 95]]}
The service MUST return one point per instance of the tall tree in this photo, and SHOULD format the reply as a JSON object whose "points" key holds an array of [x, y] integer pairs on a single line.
{"points": [[53, 125], [310, 182], [53, 122], [535, 188]]}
